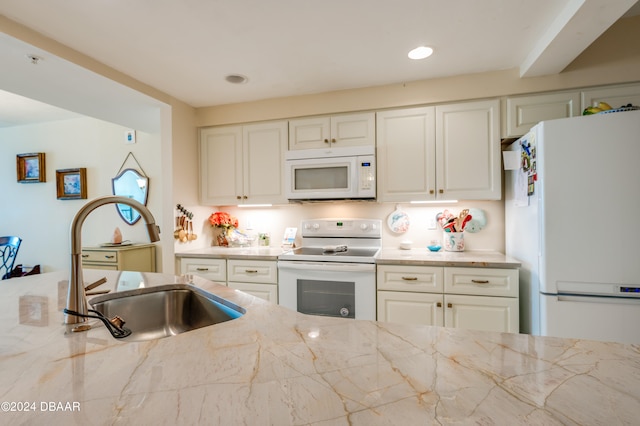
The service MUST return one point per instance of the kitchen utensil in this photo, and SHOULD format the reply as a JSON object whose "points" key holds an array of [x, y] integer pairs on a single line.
{"points": [[191, 235]]}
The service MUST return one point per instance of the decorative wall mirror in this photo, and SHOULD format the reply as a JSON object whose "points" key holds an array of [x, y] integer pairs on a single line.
{"points": [[132, 184]]}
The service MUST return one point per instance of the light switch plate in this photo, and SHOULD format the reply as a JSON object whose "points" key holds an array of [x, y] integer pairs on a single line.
{"points": [[130, 137]]}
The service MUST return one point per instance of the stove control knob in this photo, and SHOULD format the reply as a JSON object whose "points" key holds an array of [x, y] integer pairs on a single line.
{"points": [[344, 312], [364, 226]]}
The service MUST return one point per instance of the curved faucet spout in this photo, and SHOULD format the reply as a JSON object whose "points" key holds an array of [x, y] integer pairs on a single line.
{"points": [[76, 298]]}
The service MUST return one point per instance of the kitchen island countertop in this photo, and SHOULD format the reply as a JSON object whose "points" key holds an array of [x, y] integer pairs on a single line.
{"points": [[274, 366]]}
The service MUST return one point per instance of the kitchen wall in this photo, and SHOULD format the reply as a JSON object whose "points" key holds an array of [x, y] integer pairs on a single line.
{"points": [[275, 219], [33, 212]]}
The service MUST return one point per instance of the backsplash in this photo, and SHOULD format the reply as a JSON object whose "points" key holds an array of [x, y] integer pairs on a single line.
{"points": [[275, 220]]}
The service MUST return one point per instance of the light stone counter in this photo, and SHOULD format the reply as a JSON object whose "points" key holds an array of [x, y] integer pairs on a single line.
{"points": [[277, 367], [254, 253], [424, 257]]}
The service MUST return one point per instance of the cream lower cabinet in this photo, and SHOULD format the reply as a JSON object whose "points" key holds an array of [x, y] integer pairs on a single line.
{"points": [[135, 257], [473, 298], [256, 277]]}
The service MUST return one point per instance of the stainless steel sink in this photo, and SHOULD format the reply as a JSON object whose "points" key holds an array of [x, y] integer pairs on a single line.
{"points": [[155, 312]]}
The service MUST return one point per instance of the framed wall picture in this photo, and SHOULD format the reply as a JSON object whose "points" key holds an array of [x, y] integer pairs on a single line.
{"points": [[31, 167], [71, 184]]}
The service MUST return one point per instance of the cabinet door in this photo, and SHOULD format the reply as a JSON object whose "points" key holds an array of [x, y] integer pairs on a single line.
{"points": [[410, 308], [481, 313], [221, 165], [267, 292], [468, 151], [264, 146], [524, 112], [309, 133], [616, 96], [406, 155], [211, 269], [353, 130]]}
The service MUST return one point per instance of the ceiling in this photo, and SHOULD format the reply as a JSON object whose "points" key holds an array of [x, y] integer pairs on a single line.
{"points": [[293, 47]]}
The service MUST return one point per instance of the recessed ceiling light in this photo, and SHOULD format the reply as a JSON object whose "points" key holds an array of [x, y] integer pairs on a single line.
{"points": [[236, 78], [420, 52]]}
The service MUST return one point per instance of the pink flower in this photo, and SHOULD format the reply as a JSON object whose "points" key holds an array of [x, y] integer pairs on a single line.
{"points": [[223, 219]]}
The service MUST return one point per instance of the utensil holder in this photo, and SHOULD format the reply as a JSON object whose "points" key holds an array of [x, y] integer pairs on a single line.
{"points": [[453, 241]]}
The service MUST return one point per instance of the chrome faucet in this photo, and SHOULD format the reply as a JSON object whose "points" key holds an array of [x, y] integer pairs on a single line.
{"points": [[76, 298]]}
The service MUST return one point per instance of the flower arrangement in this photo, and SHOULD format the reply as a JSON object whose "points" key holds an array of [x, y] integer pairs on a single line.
{"points": [[227, 222], [223, 220]]}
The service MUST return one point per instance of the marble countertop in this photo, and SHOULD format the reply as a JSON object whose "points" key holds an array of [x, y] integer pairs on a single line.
{"points": [[255, 253], [275, 366], [422, 256], [387, 256]]}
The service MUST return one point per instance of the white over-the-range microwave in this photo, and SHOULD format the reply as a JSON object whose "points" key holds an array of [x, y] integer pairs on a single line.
{"points": [[331, 174]]}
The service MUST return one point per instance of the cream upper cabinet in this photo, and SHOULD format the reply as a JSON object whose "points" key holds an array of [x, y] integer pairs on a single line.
{"points": [[468, 161], [524, 112], [243, 164], [616, 96], [406, 159], [439, 153], [332, 131]]}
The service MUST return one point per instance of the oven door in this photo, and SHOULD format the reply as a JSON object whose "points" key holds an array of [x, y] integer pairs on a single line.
{"points": [[346, 290]]}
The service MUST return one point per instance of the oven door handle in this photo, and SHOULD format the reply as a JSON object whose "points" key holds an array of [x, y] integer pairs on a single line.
{"points": [[327, 266]]}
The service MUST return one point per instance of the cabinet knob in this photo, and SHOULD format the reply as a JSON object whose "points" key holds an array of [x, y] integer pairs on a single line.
{"points": [[439, 304], [449, 305], [326, 141], [441, 191], [238, 197], [431, 191], [333, 140], [410, 278], [480, 281], [244, 197]]}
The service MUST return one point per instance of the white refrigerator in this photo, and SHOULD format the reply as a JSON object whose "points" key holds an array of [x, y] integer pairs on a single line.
{"points": [[572, 218]]}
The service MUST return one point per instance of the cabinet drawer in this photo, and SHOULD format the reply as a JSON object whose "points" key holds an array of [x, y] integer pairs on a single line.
{"points": [[211, 269], [252, 271], [100, 256], [268, 292], [481, 281], [424, 279]]}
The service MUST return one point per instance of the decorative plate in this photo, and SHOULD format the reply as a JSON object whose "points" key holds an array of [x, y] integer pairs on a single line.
{"points": [[398, 221], [478, 221]]}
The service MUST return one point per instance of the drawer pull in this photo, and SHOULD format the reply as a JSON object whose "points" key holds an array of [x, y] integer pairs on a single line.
{"points": [[439, 304], [202, 269], [251, 271], [85, 256], [410, 278], [449, 305], [480, 281], [109, 257]]}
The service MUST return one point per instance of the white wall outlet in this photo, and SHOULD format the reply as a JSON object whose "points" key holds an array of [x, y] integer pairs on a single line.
{"points": [[432, 223], [130, 137]]}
